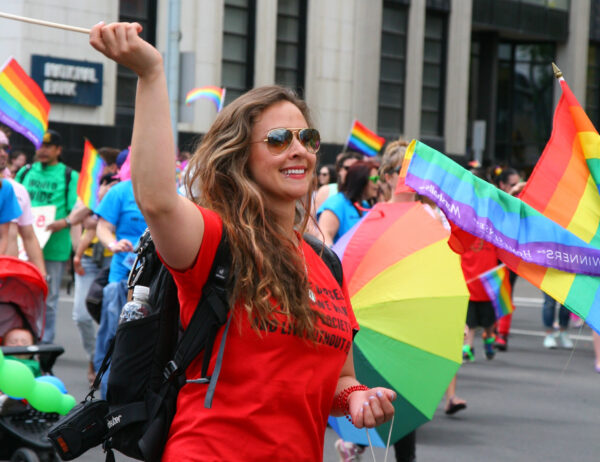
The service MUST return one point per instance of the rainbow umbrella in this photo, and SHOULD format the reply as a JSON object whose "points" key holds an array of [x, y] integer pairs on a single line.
{"points": [[410, 299]]}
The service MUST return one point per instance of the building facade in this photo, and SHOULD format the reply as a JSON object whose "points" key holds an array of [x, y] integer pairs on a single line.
{"points": [[471, 78]]}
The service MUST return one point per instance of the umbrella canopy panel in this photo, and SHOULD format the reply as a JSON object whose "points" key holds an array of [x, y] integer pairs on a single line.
{"points": [[410, 298]]}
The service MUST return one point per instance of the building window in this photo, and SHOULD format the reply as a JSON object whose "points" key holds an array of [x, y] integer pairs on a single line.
{"points": [[144, 12], [592, 94], [434, 70], [291, 44], [238, 47], [524, 103], [392, 70]]}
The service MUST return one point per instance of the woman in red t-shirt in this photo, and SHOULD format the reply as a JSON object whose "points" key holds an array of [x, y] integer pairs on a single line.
{"points": [[288, 358]]}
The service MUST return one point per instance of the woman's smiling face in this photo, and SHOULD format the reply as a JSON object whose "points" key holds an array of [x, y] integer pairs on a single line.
{"points": [[287, 176]]}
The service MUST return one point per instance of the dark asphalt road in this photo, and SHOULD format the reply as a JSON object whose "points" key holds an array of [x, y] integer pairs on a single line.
{"points": [[528, 404]]}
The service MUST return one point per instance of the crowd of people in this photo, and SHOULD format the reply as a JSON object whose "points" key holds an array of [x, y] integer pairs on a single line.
{"points": [[256, 178]]}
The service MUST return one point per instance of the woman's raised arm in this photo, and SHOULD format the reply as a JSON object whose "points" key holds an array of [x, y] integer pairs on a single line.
{"points": [[176, 224]]}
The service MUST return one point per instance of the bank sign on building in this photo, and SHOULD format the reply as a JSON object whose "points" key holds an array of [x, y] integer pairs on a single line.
{"points": [[67, 81]]}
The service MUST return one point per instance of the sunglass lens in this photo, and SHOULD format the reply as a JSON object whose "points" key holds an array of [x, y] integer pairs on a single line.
{"points": [[279, 139], [310, 139]]}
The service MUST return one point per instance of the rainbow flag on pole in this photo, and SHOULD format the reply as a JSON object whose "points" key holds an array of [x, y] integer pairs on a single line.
{"points": [[215, 94], [90, 175], [530, 243], [364, 140], [497, 286], [23, 105]]}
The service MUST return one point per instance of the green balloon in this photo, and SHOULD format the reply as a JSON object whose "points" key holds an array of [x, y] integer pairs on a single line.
{"points": [[16, 380], [45, 397], [66, 404]]}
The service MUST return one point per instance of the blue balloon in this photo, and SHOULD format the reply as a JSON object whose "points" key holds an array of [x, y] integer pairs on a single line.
{"points": [[52, 380]]}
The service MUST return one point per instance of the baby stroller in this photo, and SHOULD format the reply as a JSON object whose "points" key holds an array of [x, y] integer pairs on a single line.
{"points": [[23, 430]]}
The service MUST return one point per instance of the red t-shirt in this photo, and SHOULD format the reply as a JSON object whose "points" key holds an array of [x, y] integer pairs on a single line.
{"points": [[275, 390], [476, 257]]}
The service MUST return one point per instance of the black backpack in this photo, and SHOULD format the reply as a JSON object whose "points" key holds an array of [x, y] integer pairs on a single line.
{"points": [[149, 356]]}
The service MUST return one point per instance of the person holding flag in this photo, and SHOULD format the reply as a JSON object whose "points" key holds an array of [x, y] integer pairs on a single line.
{"points": [[90, 256]]}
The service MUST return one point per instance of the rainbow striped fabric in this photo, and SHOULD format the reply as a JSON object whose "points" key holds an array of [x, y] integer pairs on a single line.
{"points": [[364, 140], [23, 106], [564, 187], [483, 210], [529, 243], [90, 175], [215, 94], [497, 286]]}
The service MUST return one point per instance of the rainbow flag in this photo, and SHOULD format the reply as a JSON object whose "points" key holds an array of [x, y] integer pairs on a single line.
{"points": [[215, 94], [528, 242], [564, 187], [89, 178], [23, 106], [364, 140], [496, 284]]}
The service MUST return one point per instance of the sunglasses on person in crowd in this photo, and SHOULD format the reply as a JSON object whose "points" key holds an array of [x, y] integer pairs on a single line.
{"points": [[279, 139], [5, 147], [374, 178]]}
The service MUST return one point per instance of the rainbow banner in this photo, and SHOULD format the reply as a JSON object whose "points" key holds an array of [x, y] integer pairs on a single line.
{"points": [[23, 106], [215, 94], [529, 243], [92, 167], [497, 285], [364, 140], [483, 210]]}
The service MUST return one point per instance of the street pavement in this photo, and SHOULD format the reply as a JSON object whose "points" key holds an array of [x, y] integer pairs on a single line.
{"points": [[528, 404]]}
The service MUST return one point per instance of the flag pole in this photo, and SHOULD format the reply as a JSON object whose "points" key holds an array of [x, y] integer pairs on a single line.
{"points": [[557, 72], [40, 22], [349, 135]]}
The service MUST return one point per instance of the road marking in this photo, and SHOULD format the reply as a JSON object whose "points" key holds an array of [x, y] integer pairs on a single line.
{"points": [[528, 301], [537, 333]]}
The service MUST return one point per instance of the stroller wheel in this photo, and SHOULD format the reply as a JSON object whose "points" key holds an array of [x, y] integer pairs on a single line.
{"points": [[24, 455]]}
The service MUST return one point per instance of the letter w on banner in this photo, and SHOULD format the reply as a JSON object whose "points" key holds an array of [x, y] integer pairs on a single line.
{"points": [[551, 235]]}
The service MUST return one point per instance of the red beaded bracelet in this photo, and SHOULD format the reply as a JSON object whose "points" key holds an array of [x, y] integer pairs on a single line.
{"points": [[341, 400]]}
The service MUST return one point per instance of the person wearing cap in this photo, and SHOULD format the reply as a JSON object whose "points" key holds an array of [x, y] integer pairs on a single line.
{"points": [[50, 182], [23, 224]]}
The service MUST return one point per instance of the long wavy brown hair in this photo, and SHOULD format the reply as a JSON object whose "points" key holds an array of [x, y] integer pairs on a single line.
{"points": [[266, 263]]}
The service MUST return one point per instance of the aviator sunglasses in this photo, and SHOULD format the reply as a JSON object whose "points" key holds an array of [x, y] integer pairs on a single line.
{"points": [[279, 139]]}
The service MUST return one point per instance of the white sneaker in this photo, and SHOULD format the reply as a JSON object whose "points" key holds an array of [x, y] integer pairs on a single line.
{"points": [[550, 341], [564, 340], [348, 452]]}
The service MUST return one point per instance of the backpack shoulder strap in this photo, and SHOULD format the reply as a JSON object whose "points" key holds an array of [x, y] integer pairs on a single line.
{"points": [[328, 256], [68, 172], [210, 314], [26, 170]]}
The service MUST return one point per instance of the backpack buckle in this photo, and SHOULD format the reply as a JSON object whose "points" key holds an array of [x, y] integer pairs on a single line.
{"points": [[170, 369]]}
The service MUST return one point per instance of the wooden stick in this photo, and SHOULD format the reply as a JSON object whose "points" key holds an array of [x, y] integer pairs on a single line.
{"points": [[44, 23]]}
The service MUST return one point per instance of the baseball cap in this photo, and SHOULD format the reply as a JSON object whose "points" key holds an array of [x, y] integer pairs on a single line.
{"points": [[122, 157], [3, 138], [52, 137]]}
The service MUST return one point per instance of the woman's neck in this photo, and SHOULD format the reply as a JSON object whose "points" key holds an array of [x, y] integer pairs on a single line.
{"points": [[285, 217]]}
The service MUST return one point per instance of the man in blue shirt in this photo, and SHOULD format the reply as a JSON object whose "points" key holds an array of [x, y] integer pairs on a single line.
{"points": [[9, 209], [120, 226]]}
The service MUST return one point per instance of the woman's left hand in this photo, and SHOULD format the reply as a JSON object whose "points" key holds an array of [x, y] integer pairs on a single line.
{"points": [[370, 408]]}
